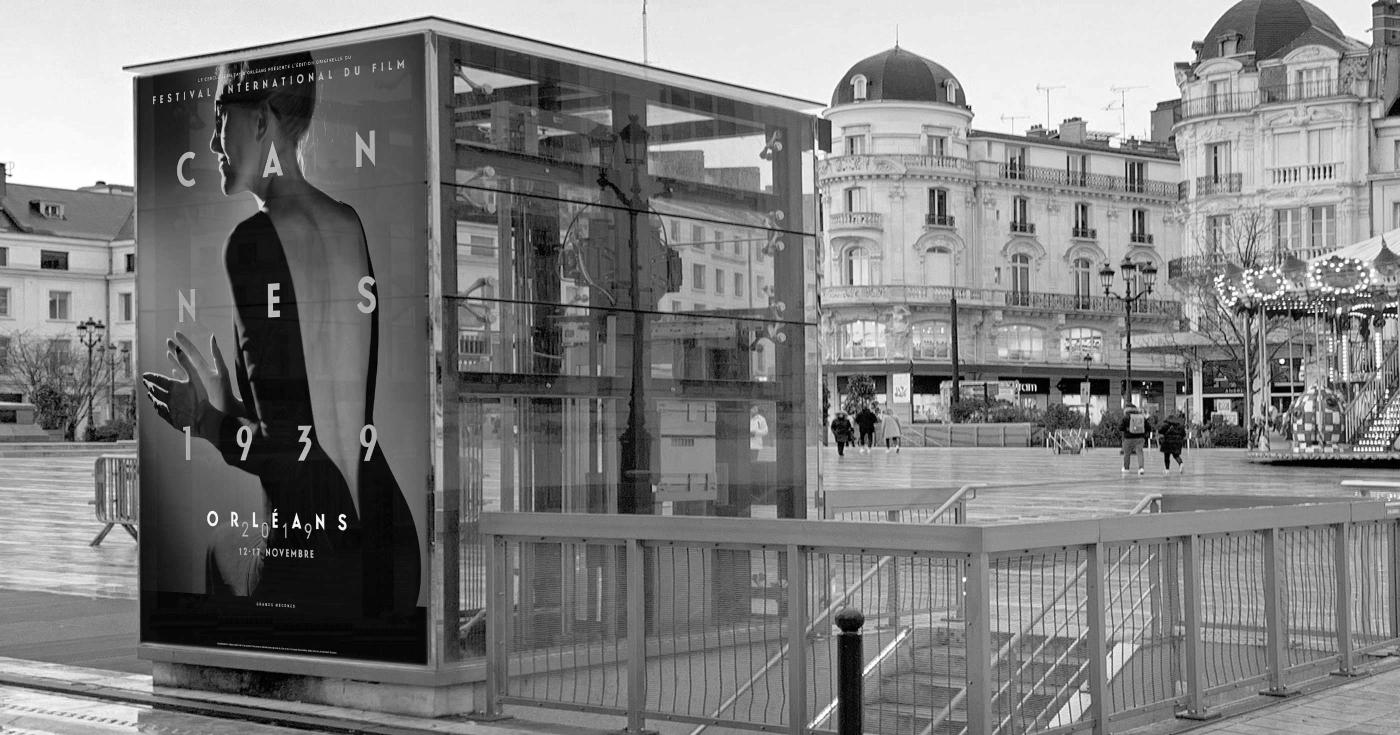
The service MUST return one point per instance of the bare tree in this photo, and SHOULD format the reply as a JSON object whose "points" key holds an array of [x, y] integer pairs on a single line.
{"points": [[54, 376], [1218, 329]]}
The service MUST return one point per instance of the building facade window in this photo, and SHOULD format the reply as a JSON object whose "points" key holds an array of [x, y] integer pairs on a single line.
{"points": [[4, 256], [1218, 162], [860, 87], [935, 145], [1320, 146], [1076, 342], [697, 236], [1139, 231], [1077, 167], [855, 199], [4, 351], [1020, 279], [938, 267], [1322, 227], [4, 301], [938, 206], [719, 282], [1020, 214], [859, 268], [697, 277], [124, 307], [53, 260], [1015, 162], [1020, 342], [1217, 232], [932, 340], [1081, 220], [1135, 175], [1288, 229], [1082, 270], [863, 339], [739, 285], [58, 305], [855, 145]]}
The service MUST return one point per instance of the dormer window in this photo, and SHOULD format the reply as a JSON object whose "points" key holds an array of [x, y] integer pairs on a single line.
{"points": [[858, 87], [950, 87], [1230, 45], [48, 210]]}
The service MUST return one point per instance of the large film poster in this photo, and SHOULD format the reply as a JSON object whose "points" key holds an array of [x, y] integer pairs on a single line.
{"points": [[282, 213]]}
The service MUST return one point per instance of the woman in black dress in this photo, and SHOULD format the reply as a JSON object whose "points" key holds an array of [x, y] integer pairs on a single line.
{"points": [[297, 408]]}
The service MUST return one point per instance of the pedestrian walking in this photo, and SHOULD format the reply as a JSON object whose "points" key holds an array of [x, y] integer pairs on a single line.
{"points": [[1134, 427], [890, 432], [1171, 437], [758, 428], [865, 423], [842, 432]]}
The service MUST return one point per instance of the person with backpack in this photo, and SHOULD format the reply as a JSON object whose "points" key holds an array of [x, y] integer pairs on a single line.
{"points": [[1171, 437], [842, 432], [1135, 427]]}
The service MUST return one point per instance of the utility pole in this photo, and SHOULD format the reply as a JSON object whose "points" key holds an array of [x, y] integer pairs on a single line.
{"points": [[644, 33], [1122, 106], [1013, 119], [1047, 90]]}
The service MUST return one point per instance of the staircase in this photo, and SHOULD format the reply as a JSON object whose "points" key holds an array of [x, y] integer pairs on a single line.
{"points": [[1373, 416], [1382, 429]]}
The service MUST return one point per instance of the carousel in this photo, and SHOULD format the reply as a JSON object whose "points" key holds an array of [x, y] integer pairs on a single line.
{"points": [[1340, 310]]}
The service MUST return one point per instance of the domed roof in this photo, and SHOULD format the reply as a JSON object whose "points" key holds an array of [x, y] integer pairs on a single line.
{"points": [[900, 75], [1267, 27]]}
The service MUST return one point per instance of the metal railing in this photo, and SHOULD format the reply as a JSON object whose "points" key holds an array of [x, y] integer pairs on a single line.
{"points": [[1216, 104], [116, 494], [1077, 179], [1370, 400], [1219, 184], [1302, 91], [884, 163], [885, 294], [1023, 227], [668, 618], [1140, 237], [1084, 233], [940, 220]]}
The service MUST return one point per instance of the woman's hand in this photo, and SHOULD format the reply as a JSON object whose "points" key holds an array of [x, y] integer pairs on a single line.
{"points": [[203, 399]]}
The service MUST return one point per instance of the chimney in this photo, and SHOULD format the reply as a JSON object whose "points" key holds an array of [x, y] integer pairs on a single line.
{"points": [[1385, 23], [1037, 131], [1074, 130]]}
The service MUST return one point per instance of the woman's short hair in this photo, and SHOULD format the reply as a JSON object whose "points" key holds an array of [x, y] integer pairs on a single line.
{"points": [[286, 83]]}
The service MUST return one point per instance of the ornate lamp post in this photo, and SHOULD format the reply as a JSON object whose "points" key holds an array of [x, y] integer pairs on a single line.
{"points": [[113, 353], [1086, 390], [90, 334], [1132, 272]]}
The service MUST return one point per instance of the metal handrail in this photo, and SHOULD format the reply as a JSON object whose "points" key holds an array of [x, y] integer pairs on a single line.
{"points": [[1001, 654], [1367, 403], [964, 493]]}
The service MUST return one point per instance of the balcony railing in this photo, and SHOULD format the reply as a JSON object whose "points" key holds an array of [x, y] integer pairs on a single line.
{"points": [[940, 220], [1084, 233], [1302, 91], [868, 220], [1023, 227], [887, 163], [1219, 184], [1217, 104], [1183, 191], [1140, 237], [996, 298], [1307, 173], [1079, 179]]}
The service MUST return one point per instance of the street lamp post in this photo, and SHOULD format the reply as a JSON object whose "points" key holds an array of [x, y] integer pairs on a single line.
{"points": [[1131, 272], [90, 334], [1086, 390], [113, 352]]}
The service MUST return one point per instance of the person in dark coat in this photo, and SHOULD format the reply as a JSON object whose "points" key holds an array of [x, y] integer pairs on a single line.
{"points": [[842, 432], [865, 421], [1171, 437]]}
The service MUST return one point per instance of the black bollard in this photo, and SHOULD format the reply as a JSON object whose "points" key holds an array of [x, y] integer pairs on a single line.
{"points": [[850, 715]]}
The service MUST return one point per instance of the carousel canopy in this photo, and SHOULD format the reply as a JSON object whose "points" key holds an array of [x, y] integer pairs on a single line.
{"points": [[1359, 279]]}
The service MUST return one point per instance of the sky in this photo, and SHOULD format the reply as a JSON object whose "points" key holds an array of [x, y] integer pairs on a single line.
{"points": [[65, 100]]}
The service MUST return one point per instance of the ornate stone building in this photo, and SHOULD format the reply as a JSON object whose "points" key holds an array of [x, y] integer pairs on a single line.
{"points": [[1288, 146], [920, 207]]}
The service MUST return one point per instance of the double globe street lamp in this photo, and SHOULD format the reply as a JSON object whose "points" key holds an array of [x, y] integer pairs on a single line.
{"points": [[1138, 280], [90, 334]]}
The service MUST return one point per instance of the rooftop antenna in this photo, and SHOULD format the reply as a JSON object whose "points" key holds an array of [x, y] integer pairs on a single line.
{"points": [[1122, 106], [1013, 119], [896, 35], [644, 33], [1047, 89]]}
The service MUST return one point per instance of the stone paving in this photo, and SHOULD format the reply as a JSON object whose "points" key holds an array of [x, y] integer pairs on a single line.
{"points": [[48, 521]]}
